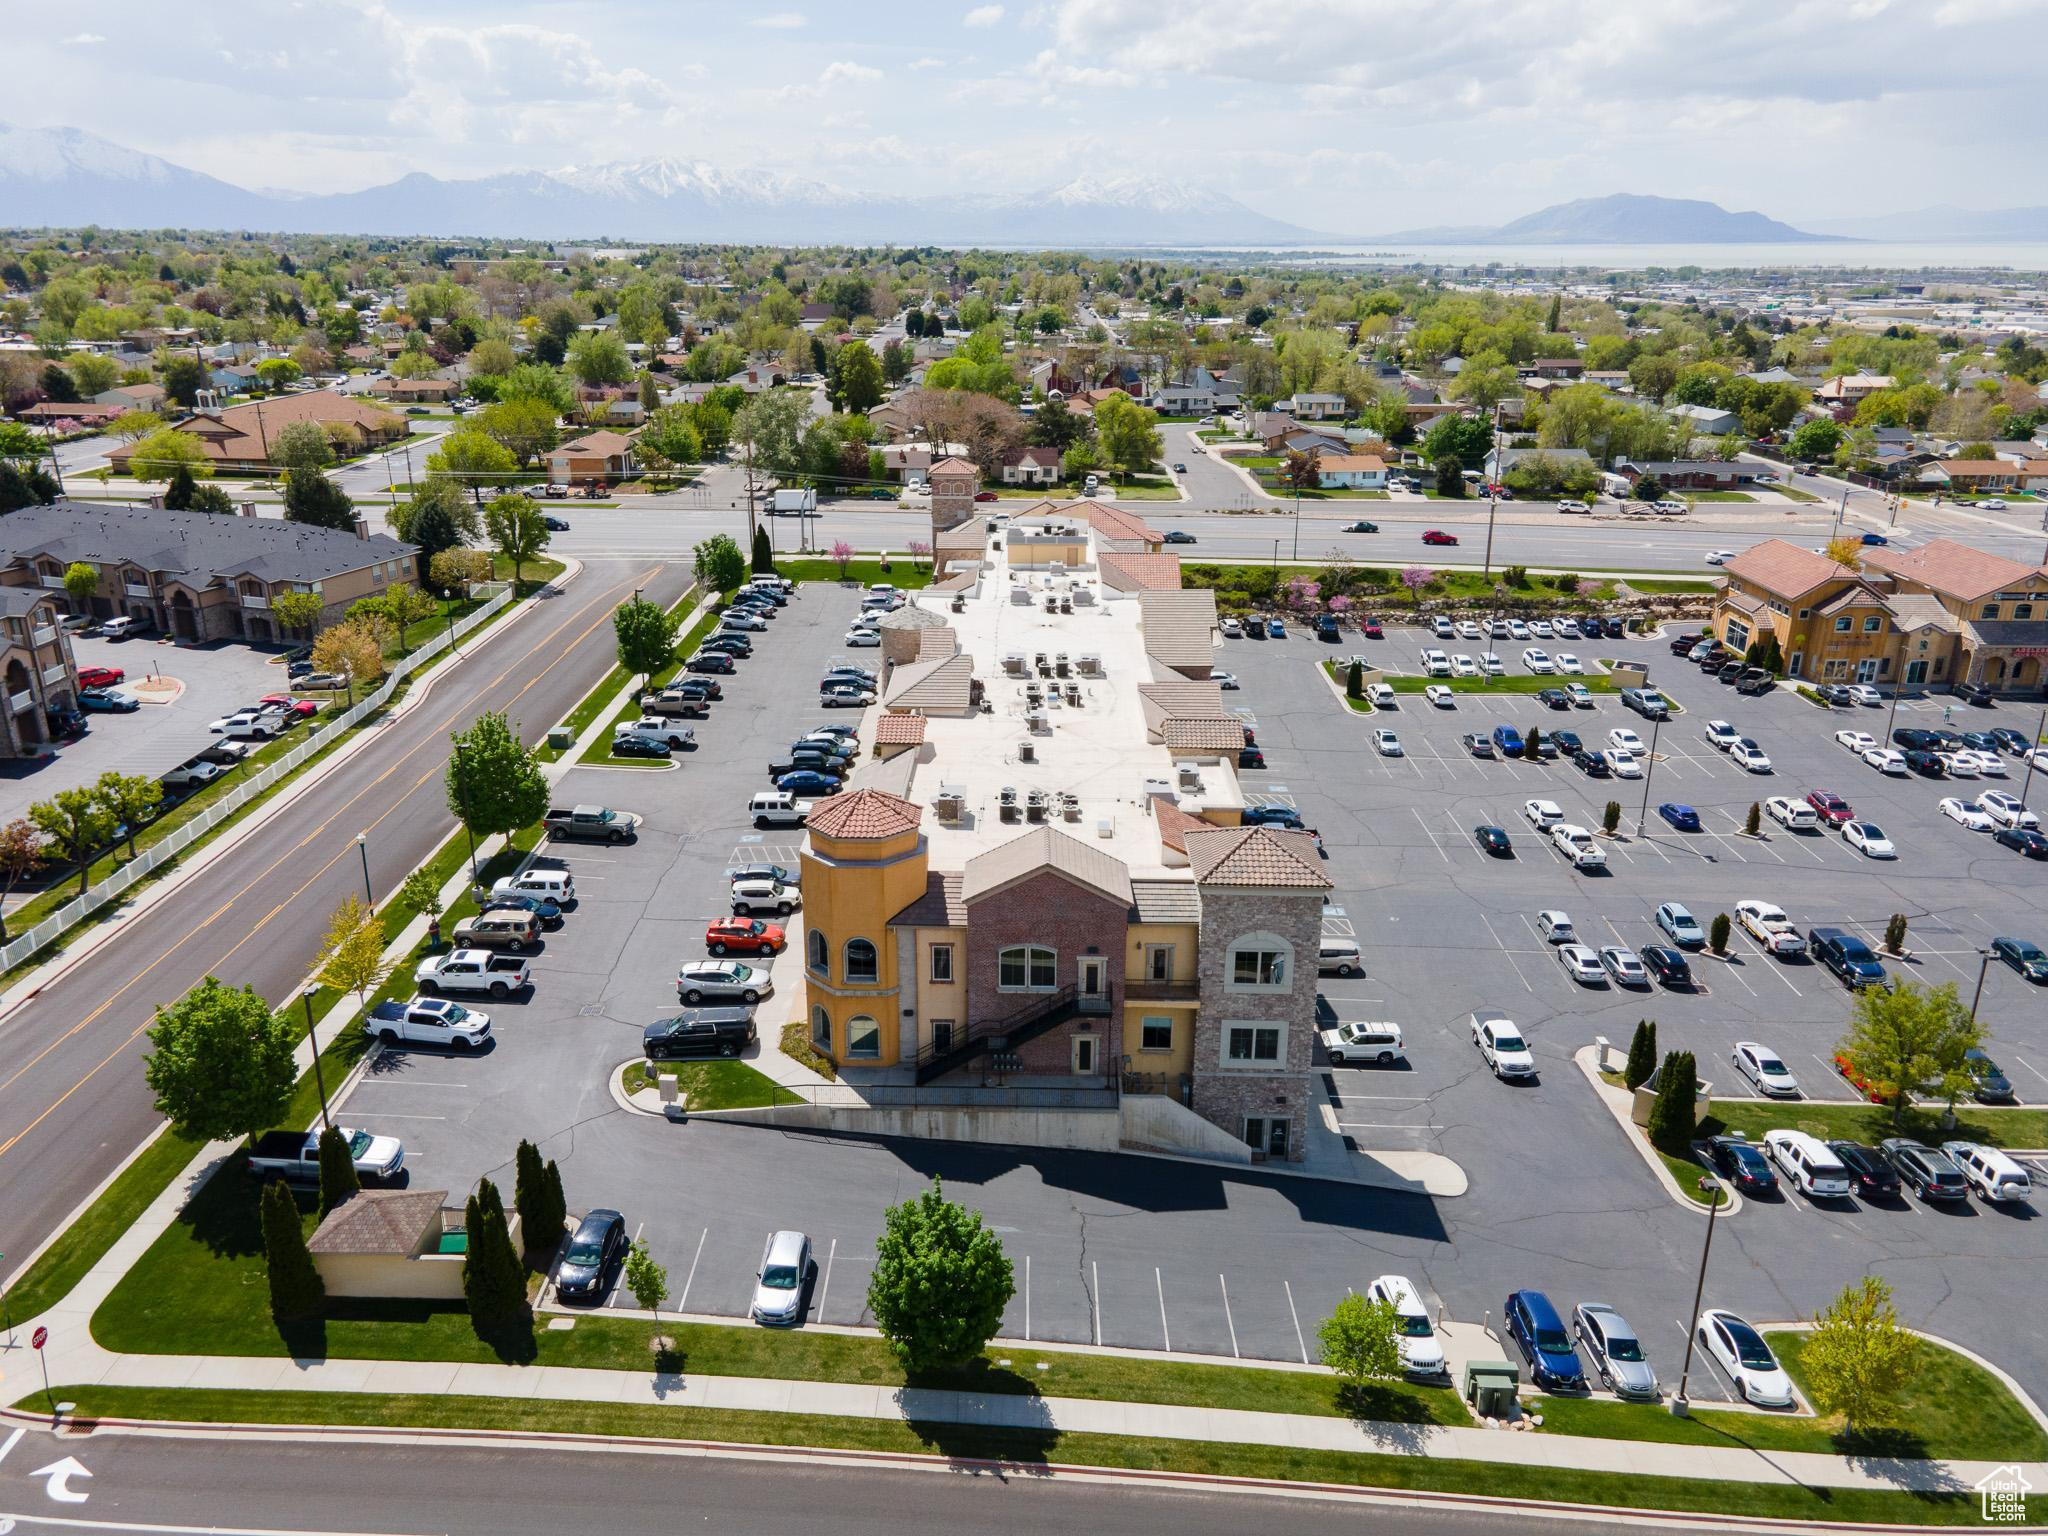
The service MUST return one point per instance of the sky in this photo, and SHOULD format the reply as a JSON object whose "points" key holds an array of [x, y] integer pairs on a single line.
{"points": [[1333, 114]]}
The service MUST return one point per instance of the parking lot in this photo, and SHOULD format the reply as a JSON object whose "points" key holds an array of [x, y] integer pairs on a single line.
{"points": [[1146, 1253], [155, 738]]}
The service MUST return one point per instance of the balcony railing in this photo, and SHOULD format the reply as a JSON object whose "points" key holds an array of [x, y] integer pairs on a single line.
{"points": [[17, 702], [1141, 990], [138, 589], [53, 675], [45, 634], [56, 582], [254, 602]]}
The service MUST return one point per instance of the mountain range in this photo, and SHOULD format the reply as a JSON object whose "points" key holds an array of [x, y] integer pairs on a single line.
{"points": [[1622, 219], [1948, 224]]}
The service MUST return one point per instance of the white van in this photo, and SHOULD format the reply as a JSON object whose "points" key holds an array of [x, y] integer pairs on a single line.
{"points": [[1807, 1164], [1990, 1172], [1341, 956], [550, 884], [1555, 927]]}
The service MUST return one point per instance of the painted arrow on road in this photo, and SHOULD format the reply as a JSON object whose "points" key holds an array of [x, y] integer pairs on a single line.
{"points": [[60, 1474]]}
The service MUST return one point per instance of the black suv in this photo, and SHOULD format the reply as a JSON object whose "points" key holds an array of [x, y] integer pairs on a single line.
{"points": [[699, 1032], [1870, 1175], [1847, 956], [1591, 764]]}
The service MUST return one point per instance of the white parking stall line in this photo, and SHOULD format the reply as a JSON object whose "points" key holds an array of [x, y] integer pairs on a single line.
{"points": [[1439, 847], [1027, 1298], [2032, 1068], [1775, 968], [1736, 972], [1299, 1339], [1165, 1337], [825, 1285], [1652, 844], [683, 1302], [1508, 952], [1228, 1319], [1464, 837], [1095, 1296], [1831, 1077]]}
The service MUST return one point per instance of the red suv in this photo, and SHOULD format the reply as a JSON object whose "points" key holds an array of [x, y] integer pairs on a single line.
{"points": [[1830, 807], [1369, 626], [100, 677], [743, 936], [1438, 536]]}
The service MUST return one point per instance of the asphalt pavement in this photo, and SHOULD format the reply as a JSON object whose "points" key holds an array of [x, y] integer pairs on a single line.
{"points": [[256, 1486], [72, 1099]]}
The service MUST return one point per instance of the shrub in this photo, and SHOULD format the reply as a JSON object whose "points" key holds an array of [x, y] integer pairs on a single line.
{"points": [[1895, 933], [338, 1177], [1717, 933], [1642, 1054], [1354, 681], [296, 1289], [1671, 1117], [1611, 817], [940, 1283], [1516, 575], [1756, 819]]}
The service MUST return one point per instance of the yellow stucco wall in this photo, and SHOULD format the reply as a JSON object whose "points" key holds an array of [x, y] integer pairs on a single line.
{"points": [[851, 889]]}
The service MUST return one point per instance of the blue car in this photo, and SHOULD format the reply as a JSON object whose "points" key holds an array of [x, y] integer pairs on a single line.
{"points": [[1272, 816], [1508, 740], [1535, 1326], [1276, 630], [1874, 539], [808, 781], [90, 699], [1683, 817]]}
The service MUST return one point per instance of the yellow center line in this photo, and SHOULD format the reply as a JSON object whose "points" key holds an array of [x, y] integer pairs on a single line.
{"points": [[262, 875]]}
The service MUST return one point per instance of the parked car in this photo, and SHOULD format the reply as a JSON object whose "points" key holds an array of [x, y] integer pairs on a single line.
{"points": [[2024, 956], [1533, 1323], [2024, 840], [1682, 817], [1422, 1353], [294, 1156], [1581, 962], [1848, 957], [1871, 1175], [106, 701], [1501, 1046], [1615, 1350], [428, 1021], [699, 1032], [593, 1259], [1741, 1351], [1793, 815], [1992, 1085], [590, 823], [783, 1280], [1683, 928], [1868, 839], [744, 936], [1494, 841], [1668, 966], [1928, 1172], [1736, 1159], [1766, 922], [1766, 1069], [1379, 1043]]}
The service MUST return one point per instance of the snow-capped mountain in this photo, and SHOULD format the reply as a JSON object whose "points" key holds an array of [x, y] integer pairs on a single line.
{"points": [[62, 176]]}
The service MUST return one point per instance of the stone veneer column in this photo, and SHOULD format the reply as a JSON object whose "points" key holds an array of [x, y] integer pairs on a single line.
{"points": [[1224, 1095]]}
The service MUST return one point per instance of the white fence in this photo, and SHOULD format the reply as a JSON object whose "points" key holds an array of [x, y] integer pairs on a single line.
{"points": [[45, 933]]}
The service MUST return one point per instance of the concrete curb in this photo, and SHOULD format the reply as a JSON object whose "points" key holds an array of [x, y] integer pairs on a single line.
{"points": [[1586, 1059]]}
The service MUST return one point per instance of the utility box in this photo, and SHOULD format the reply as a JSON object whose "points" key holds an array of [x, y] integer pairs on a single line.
{"points": [[672, 1103], [1489, 1386], [561, 739]]}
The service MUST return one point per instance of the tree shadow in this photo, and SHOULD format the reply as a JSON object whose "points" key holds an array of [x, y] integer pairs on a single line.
{"points": [[1393, 1421]]}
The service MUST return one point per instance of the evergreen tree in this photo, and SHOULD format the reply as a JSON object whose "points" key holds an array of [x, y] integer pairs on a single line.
{"points": [[178, 494], [296, 1289], [493, 1280], [528, 1195], [338, 1178], [1642, 1054], [764, 554], [556, 1211], [1671, 1117], [1354, 681]]}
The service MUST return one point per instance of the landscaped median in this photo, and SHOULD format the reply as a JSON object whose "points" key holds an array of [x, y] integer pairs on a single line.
{"points": [[2015, 1129], [707, 1085], [599, 751]]}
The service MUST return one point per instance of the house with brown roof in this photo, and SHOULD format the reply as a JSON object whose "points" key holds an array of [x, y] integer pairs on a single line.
{"points": [[238, 437], [1353, 471], [1974, 474], [592, 459], [415, 391], [1031, 466]]}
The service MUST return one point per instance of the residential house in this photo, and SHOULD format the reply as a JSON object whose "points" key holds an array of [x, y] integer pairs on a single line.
{"points": [[1312, 407], [1500, 460], [1353, 471], [1188, 399], [134, 397], [1308, 440], [1970, 476], [197, 576], [238, 437], [428, 391], [234, 377], [87, 413], [1554, 368], [1031, 466], [1840, 396], [595, 458], [1691, 474], [38, 674], [1707, 420]]}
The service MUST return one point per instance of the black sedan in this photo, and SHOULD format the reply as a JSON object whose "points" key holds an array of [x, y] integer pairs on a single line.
{"points": [[732, 645], [1361, 526], [1870, 1175], [2024, 956], [1742, 1164], [1668, 966], [1554, 698], [548, 912], [555, 524], [1493, 840], [596, 1252], [1568, 742], [1250, 757], [640, 746], [102, 699], [699, 688], [1178, 536], [1926, 764], [2025, 839]]}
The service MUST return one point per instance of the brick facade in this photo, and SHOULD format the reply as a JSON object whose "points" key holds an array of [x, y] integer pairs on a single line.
{"points": [[1224, 1094], [1066, 917]]}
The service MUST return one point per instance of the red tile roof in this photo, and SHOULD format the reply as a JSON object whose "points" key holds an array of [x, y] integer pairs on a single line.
{"points": [[1952, 569], [866, 815], [899, 730], [1785, 570]]}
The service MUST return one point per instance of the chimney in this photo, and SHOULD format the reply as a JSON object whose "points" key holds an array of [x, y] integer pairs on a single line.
{"points": [[249, 509], [362, 527]]}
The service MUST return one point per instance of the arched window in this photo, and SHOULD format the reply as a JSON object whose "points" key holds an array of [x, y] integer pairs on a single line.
{"points": [[1260, 962], [814, 950], [863, 1038], [1026, 968], [860, 960], [821, 1030]]}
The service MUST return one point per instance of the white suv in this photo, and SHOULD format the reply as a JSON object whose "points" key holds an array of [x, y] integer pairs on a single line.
{"points": [[1422, 1353]]}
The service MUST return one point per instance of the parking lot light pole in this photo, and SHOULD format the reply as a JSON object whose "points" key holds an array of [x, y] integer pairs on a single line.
{"points": [[1710, 1187], [319, 1079], [462, 800], [1649, 768], [363, 848], [2033, 758], [1984, 959]]}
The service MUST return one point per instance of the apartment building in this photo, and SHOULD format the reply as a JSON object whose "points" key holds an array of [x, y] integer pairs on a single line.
{"points": [[37, 669]]}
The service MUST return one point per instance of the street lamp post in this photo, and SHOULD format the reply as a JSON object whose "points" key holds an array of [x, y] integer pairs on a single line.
{"points": [[462, 803], [319, 1079], [363, 848], [2033, 758], [1710, 1187], [1984, 959], [1649, 768]]}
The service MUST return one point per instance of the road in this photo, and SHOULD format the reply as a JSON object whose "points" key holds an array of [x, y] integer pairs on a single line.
{"points": [[176, 1485], [72, 1099]]}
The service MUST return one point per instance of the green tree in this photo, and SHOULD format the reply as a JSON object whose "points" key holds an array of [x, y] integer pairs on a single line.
{"points": [[1127, 434], [940, 1282], [598, 358], [764, 554], [518, 530], [492, 358], [1354, 681], [178, 494], [158, 455], [296, 1289], [896, 362], [422, 892], [81, 585], [648, 1281], [1672, 1116], [539, 1222], [538, 381], [856, 378], [1468, 439], [318, 502], [77, 823], [222, 1063], [473, 459], [1858, 1360], [301, 448], [434, 519], [1532, 745], [182, 378], [405, 605], [1450, 478], [1359, 1341], [1717, 933], [1895, 933], [1610, 817], [769, 429], [24, 485], [494, 783], [338, 1176], [130, 801], [673, 433], [719, 564], [352, 954], [647, 636], [1817, 439], [1302, 471], [212, 498], [526, 427], [1642, 1054], [298, 610], [1756, 819], [1909, 1040], [493, 1280]]}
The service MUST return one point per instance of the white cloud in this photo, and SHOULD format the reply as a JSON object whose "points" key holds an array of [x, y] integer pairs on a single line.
{"points": [[927, 62], [982, 16], [781, 21], [842, 69], [83, 40]]}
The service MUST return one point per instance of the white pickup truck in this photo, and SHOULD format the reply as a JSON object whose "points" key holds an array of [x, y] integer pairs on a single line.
{"points": [[656, 728], [1577, 844], [473, 970], [295, 1156], [1766, 922], [429, 1021]]}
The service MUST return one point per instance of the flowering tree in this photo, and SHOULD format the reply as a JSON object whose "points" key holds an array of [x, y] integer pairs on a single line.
{"points": [[1415, 578], [920, 550], [1340, 605], [843, 553], [1302, 593]]}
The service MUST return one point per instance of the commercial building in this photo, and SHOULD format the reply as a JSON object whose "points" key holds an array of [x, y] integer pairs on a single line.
{"points": [[1043, 880], [196, 575]]}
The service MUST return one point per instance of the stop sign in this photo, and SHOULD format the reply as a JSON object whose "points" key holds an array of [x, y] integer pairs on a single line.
{"points": [[39, 1337]]}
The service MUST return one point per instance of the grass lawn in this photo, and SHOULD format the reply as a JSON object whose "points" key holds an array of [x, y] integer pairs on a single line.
{"points": [[1793, 493], [616, 681], [1143, 488], [1687, 1173], [1956, 1410], [1658, 584], [1872, 1123], [796, 1045], [1252, 460], [1340, 673], [906, 573], [710, 1084], [1716, 496], [1026, 1447], [600, 750], [1515, 683]]}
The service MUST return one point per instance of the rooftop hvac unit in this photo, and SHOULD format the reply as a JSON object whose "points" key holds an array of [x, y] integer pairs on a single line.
{"points": [[1190, 775], [1090, 664], [1158, 787]]}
